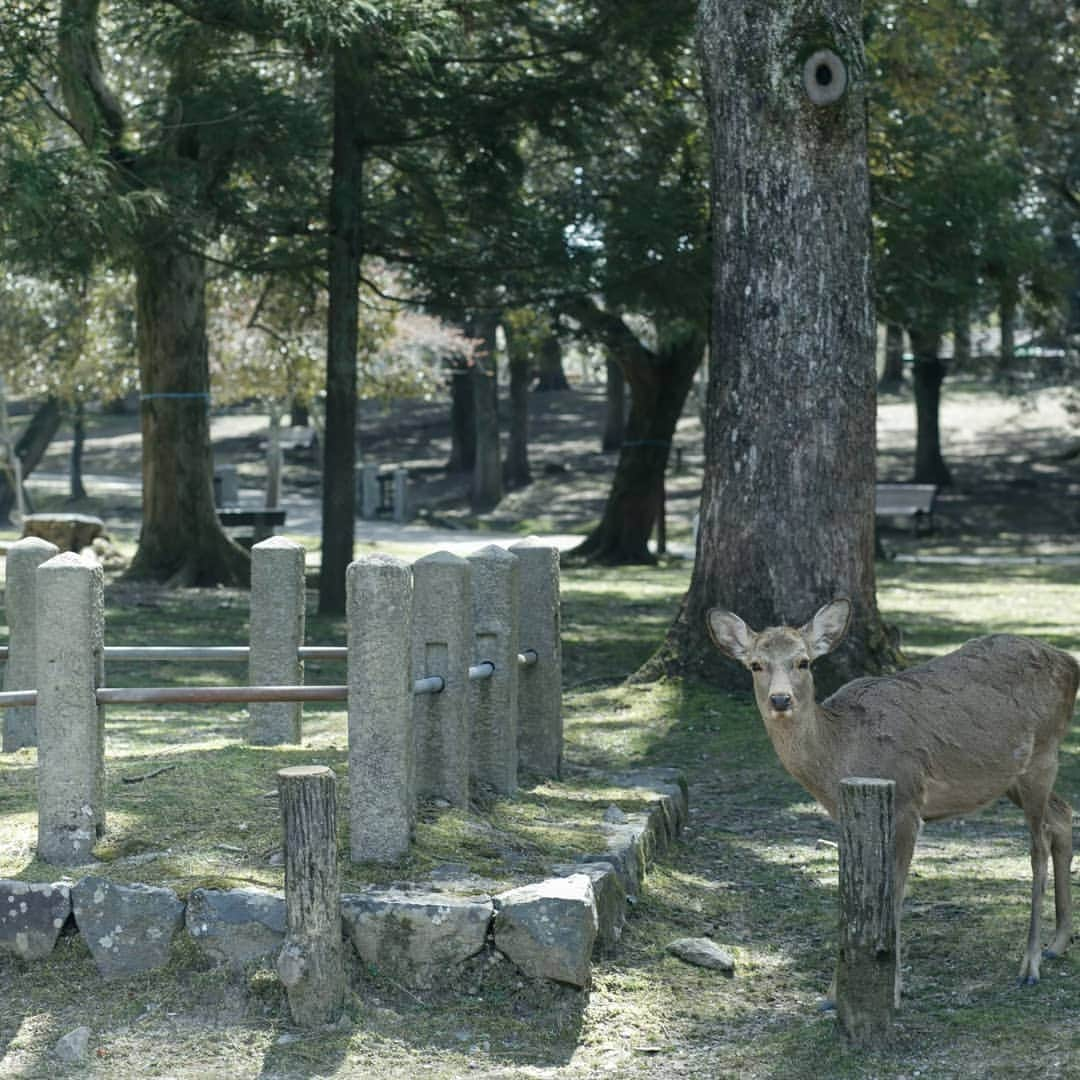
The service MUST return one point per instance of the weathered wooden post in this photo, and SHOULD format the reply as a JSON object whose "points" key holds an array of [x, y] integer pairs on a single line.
{"points": [[20, 672], [70, 632], [311, 962], [382, 762], [442, 646], [494, 700], [277, 632], [867, 974], [540, 720]]}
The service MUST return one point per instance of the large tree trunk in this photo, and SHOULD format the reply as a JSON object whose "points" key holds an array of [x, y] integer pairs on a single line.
{"points": [[339, 456], [462, 416], [29, 448], [182, 542], [892, 377], [551, 375], [614, 407], [659, 383], [787, 518], [486, 491], [929, 374], [516, 471]]}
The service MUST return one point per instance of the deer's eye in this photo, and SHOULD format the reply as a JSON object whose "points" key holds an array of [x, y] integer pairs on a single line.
{"points": [[804, 665], [755, 666]]}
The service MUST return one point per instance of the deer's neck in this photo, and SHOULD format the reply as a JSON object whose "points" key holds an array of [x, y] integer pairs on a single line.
{"points": [[805, 744]]}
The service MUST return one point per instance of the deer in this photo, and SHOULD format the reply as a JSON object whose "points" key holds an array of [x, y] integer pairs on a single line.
{"points": [[954, 734]]}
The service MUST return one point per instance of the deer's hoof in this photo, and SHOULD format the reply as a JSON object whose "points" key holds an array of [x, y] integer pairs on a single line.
{"points": [[826, 1005], [1028, 980], [1051, 954]]}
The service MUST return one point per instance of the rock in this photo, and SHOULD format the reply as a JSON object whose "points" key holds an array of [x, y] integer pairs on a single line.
{"points": [[31, 917], [701, 952], [630, 845], [614, 816], [74, 1045], [610, 903], [668, 785], [236, 926], [548, 929], [69, 532], [415, 937], [128, 928]]}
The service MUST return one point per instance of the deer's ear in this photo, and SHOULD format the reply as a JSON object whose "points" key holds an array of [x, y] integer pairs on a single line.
{"points": [[730, 634], [827, 628]]}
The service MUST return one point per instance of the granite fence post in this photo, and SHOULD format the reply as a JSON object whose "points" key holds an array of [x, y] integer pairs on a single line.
{"points": [[277, 632], [494, 700], [442, 645], [369, 490], [70, 635], [540, 721], [20, 673], [382, 770], [401, 495]]}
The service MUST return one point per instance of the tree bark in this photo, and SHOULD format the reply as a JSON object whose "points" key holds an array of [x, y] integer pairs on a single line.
{"points": [[345, 224], [1007, 302], [892, 377], [787, 518], [551, 374], [929, 374], [487, 490], [962, 342], [614, 407], [462, 416], [182, 542], [30, 448], [516, 471], [77, 490], [659, 383]]}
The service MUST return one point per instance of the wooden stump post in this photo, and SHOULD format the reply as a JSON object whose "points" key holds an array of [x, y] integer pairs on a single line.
{"points": [[867, 974], [311, 963]]}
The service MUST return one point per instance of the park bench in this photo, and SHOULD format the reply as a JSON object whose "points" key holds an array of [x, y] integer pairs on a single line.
{"points": [[915, 501], [262, 522]]}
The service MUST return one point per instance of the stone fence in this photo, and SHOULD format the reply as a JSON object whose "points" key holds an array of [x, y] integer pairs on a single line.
{"points": [[454, 671]]}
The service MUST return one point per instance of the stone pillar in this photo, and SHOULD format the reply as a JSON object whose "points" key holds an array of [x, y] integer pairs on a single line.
{"points": [[494, 701], [311, 962], [382, 768], [226, 486], [20, 672], [540, 722], [401, 495], [369, 490], [70, 633], [868, 971], [277, 632], [442, 644]]}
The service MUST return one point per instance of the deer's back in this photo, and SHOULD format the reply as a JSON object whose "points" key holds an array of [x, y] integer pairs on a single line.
{"points": [[964, 726]]}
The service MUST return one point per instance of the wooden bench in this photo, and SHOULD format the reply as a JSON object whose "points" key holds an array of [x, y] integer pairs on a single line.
{"points": [[915, 501], [262, 522]]}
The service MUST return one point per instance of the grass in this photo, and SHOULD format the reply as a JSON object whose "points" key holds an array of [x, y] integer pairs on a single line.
{"points": [[750, 873]]}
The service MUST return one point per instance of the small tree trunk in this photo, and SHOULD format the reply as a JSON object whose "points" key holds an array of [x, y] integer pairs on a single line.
{"points": [[551, 375], [299, 415], [892, 377], [614, 407], [962, 343], [486, 489], [182, 542], [30, 448], [76, 489], [462, 416], [929, 374], [1007, 317], [345, 224], [273, 459], [516, 472], [311, 962]]}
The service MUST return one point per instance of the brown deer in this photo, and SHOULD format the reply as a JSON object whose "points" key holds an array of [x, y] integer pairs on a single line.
{"points": [[954, 734]]}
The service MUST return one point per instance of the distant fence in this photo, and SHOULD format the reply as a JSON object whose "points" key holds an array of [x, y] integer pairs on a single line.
{"points": [[454, 673]]}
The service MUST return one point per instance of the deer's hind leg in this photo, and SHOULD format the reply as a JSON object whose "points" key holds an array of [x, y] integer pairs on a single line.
{"points": [[1033, 799], [1059, 824]]}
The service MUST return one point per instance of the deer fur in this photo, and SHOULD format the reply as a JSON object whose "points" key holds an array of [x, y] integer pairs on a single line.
{"points": [[954, 734]]}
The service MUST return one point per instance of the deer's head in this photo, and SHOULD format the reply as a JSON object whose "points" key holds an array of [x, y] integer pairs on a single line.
{"points": [[779, 657]]}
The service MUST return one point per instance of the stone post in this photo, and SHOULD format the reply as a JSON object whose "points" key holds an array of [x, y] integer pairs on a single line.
{"points": [[70, 634], [311, 962], [540, 722], [226, 486], [401, 495], [382, 768], [20, 672], [442, 644], [494, 701], [867, 974], [277, 632], [369, 490]]}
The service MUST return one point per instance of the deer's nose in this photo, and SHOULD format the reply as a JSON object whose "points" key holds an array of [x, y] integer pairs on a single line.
{"points": [[780, 702]]}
